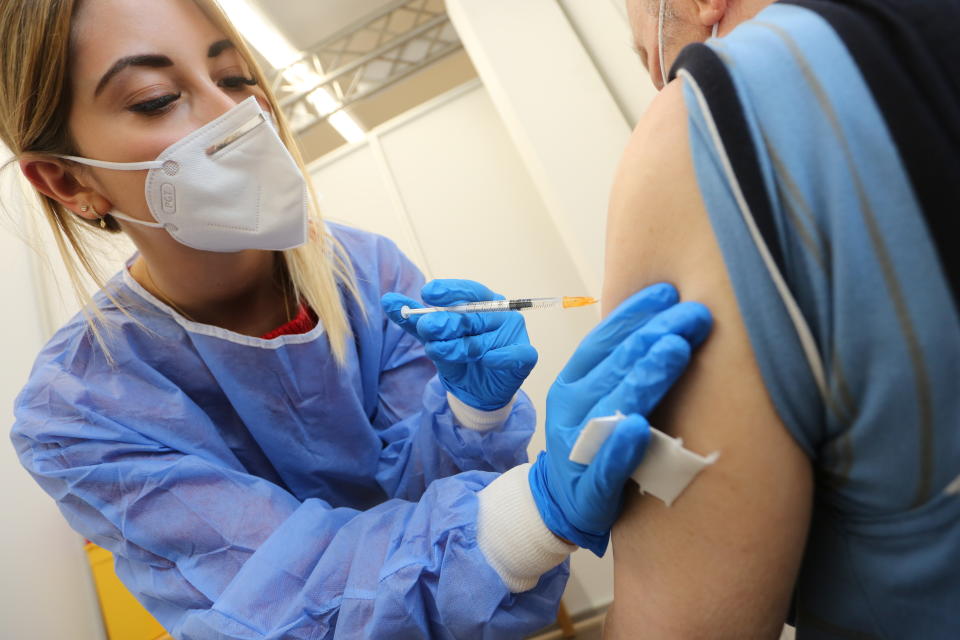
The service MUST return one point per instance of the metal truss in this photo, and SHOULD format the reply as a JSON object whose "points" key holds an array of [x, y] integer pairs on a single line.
{"points": [[362, 60]]}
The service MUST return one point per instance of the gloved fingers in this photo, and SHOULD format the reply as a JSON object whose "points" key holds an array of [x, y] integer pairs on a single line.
{"points": [[649, 379], [627, 318], [460, 350], [689, 320], [609, 374], [392, 303], [447, 292], [618, 458], [518, 358], [449, 326]]}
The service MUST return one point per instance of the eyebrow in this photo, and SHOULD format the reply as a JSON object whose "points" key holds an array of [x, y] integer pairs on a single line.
{"points": [[147, 60], [155, 61], [219, 47]]}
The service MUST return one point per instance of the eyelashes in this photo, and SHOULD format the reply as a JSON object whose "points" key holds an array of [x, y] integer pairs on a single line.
{"points": [[156, 105], [236, 82], [159, 105]]}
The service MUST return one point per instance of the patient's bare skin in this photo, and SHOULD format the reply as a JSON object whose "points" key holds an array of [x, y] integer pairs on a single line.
{"points": [[722, 561]]}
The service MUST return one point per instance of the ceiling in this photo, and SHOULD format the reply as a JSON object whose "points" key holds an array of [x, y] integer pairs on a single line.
{"points": [[307, 22]]}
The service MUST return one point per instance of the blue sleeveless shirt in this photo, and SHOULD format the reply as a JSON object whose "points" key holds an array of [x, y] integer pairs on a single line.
{"points": [[829, 200]]}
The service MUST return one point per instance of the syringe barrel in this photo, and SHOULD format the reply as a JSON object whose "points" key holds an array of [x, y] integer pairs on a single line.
{"points": [[521, 304], [487, 306]]}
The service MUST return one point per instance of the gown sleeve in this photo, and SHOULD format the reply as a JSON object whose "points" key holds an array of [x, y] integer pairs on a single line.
{"points": [[427, 434], [214, 552]]}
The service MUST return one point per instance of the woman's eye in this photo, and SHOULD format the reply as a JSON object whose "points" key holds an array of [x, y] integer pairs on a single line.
{"points": [[156, 105], [237, 82]]}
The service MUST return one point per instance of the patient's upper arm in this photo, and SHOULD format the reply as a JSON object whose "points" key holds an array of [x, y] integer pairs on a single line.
{"points": [[721, 562]]}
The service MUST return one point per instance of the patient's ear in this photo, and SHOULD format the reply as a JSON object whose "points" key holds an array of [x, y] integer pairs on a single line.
{"points": [[710, 12]]}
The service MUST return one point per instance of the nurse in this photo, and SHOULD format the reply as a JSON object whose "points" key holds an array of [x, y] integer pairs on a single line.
{"points": [[267, 448]]}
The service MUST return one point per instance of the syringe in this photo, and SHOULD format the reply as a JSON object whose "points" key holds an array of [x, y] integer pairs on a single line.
{"points": [[520, 304]]}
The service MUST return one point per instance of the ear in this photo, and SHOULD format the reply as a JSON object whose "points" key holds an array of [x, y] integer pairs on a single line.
{"points": [[710, 12], [54, 179]]}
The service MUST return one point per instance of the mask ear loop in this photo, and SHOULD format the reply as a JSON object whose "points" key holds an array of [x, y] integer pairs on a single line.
{"points": [[169, 166], [116, 166], [103, 223], [663, 63], [155, 225]]}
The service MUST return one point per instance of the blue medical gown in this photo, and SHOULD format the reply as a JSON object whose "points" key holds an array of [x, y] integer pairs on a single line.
{"points": [[250, 488]]}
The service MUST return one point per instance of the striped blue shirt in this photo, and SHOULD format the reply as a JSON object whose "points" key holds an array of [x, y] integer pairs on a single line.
{"points": [[828, 237]]}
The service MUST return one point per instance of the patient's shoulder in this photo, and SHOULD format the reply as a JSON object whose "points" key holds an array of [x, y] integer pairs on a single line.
{"points": [[657, 226], [732, 542]]}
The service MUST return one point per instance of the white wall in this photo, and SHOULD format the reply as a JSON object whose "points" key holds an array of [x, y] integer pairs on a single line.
{"points": [[565, 80], [604, 33], [559, 113], [47, 590]]}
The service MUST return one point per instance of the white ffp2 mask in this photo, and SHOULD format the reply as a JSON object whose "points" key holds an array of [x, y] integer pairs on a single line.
{"points": [[229, 186]]}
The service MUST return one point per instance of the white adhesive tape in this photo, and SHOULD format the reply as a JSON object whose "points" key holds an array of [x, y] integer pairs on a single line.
{"points": [[667, 467]]}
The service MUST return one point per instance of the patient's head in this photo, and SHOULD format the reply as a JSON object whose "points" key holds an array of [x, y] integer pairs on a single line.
{"points": [[684, 22]]}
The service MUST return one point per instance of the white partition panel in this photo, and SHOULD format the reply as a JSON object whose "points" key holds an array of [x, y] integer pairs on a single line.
{"points": [[560, 113], [354, 190]]}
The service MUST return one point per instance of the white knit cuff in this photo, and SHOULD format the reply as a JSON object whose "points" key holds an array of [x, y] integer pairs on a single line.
{"points": [[511, 534], [478, 419]]}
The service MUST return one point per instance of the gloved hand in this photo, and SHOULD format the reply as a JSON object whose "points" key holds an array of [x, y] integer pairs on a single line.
{"points": [[482, 358], [626, 364]]}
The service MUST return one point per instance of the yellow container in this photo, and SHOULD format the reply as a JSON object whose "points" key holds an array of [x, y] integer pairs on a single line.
{"points": [[123, 616]]}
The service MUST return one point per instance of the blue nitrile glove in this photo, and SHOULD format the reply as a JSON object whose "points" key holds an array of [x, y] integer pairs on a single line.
{"points": [[626, 364], [482, 358]]}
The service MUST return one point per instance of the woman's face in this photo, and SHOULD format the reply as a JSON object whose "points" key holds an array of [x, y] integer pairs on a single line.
{"points": [[144, 75]]}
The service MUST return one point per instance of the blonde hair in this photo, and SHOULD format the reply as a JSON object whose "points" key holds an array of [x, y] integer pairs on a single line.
{"points": [[35, 101]]}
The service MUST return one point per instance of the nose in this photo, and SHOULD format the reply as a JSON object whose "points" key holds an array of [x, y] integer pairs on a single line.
{"points": [[212, 102]]}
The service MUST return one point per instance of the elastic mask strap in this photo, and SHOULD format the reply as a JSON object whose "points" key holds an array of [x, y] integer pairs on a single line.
{"points": [[716, 30], [117, 166], [123, 166], [155, 225], [663, 63]]}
